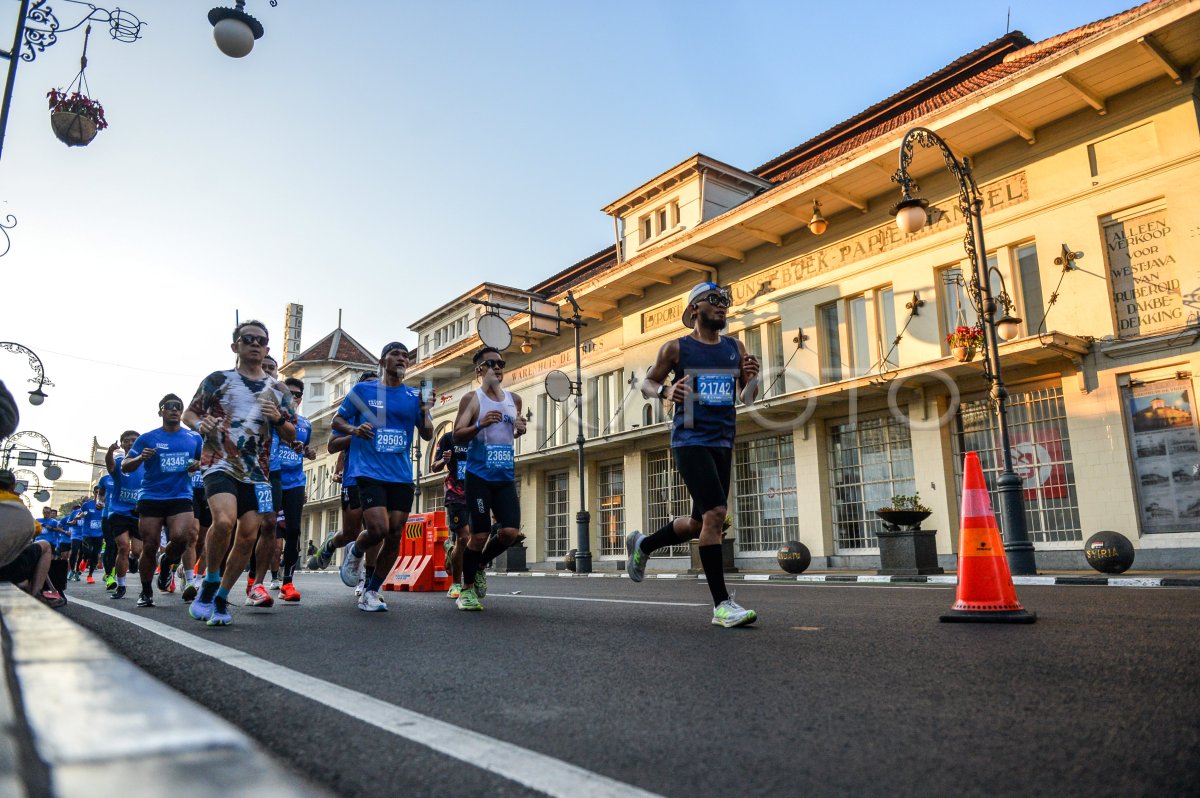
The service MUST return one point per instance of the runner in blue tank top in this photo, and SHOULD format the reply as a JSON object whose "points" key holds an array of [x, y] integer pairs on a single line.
{"points": [[490, 418], [708, 370]]}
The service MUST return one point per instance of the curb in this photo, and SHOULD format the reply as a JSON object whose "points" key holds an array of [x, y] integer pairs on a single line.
{"points": [[149, 734], [943, 579]]}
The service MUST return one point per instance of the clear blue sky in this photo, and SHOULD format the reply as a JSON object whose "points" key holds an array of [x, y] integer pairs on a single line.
{"points": [[384, 156]]}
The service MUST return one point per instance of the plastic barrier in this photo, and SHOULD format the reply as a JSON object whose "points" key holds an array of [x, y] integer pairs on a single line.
{"points": [[421, 563]]}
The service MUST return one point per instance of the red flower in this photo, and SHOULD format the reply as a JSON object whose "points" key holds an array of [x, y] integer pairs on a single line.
{"points": [[76, 103]]}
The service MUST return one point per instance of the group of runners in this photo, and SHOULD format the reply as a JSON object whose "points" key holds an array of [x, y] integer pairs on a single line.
{"points": [[201, 498]]}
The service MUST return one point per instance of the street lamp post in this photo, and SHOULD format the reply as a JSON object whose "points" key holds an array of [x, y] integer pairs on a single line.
{"points": [[910, 216], [36, 396]]}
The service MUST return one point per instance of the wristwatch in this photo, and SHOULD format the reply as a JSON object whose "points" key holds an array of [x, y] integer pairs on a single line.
{"points": [[662, 390]]}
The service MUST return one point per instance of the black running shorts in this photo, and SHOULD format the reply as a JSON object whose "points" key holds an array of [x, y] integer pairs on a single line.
{"points": [[397, 497], [485, 499], [705, 471]]}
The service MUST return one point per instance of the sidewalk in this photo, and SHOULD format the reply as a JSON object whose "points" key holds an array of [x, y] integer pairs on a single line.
{"points": [[139, 736]]}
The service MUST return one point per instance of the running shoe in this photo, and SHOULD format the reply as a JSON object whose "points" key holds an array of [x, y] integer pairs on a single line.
{"points": [[361, 587], [220, 615], [118, 593], [455, 590], [729, 614], [320, 561], [259, 597], [370, 602], [145, 600], [288, 592], [52, 599], [275, 584], [201, 610], [191, 589], [164, 575], [480, 583], [635, 565], [171, 584], [91, 580], [249, 584], [352, 567], [469, 601], [110, 582]]}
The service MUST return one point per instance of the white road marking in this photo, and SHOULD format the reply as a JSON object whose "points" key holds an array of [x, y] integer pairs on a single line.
{"points": [[521, 765], [608, 601], [863, 586]]}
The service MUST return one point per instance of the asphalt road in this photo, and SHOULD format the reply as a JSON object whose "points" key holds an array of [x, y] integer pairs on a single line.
{"points": [[601, 686]]}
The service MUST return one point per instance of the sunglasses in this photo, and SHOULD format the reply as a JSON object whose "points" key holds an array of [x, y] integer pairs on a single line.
{"points": [[491, 364], [720, 300], [251, 340], [168, 406], [297, 394]]}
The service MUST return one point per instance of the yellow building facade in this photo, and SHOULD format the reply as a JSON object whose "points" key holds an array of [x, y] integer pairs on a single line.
{"points": [[1086, 149]]}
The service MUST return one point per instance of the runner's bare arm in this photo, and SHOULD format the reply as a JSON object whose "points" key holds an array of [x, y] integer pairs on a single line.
{"points": [[749, 376], [668, 356]]}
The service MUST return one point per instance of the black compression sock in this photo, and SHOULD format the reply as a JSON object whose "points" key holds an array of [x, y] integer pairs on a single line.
{"points": [[470, 566], [368, 572], [492, 549], [714, 571], [661, 539]]}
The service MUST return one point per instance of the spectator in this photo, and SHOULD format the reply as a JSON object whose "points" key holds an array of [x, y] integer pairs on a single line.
{"points": [[9, 417], [23, 561]]}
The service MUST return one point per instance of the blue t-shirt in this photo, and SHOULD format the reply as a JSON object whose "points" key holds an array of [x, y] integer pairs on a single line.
{"points": [[288, 463], [167, 474], [50, 531], [127, 488], [108, 486], [89, 520], [393, 413], [72, 526]]}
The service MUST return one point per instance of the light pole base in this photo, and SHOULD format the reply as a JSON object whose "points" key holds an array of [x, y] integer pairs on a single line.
{"points": [[1020, 557], [583, 554]]}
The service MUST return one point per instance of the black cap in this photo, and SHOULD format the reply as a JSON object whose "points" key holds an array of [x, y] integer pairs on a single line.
{"points": [[8, 480]]}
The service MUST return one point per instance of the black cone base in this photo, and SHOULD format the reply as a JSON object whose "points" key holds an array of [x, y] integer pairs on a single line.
{"points": [[989, 616]]}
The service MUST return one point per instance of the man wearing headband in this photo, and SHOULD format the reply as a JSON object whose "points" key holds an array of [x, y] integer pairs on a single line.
{"points": [[168, 455], [380, 418], [707, 368]]}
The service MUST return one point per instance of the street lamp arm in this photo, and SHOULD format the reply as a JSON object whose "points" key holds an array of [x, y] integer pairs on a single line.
{"points": [[42, 27], [35, 362]]}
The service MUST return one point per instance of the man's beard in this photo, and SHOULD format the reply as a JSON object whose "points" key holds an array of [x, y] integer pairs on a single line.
{"points": [[713, 324]]}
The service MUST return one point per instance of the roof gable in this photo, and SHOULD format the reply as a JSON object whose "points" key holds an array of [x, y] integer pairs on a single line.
{"points": [[338, 346]]}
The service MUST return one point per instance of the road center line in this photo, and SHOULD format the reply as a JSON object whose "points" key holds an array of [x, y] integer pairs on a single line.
{"points": [[603, 600], [521, 765]]}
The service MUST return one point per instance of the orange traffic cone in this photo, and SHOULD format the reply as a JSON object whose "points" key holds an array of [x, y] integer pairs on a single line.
{"points": [[985, 587]]}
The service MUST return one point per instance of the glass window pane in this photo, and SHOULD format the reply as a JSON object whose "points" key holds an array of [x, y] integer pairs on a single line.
{"points": [[831, 344], [860, 356], [887, 325], [870, 461], [1031, 287]]}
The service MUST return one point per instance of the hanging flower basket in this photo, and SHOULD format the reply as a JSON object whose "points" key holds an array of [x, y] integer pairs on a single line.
{"points": [[75, 118], [74, 130], [963, 342]]}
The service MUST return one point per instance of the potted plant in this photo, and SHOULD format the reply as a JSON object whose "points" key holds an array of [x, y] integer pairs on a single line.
{"points": [[906, 511], [963, 342], [75, 117]]}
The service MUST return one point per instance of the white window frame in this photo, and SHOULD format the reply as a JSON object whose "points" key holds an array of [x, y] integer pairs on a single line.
{"points": [[557, 513]]}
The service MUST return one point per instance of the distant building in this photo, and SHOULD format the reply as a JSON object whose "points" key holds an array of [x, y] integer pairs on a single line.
{"points": [[1085, 142]]}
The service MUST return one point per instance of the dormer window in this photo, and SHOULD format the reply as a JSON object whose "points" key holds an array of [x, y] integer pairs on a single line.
{"points": [[662, 219]]}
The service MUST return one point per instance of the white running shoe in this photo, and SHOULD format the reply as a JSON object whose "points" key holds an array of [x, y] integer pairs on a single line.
{"points": [[729, 614], [361, 587], [352, 567], [370, 602], [275, 584]]}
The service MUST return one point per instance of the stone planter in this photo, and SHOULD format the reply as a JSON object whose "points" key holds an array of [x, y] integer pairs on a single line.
{"points": [[511, 560], [963, 354], [726, 557], [910, 551]]}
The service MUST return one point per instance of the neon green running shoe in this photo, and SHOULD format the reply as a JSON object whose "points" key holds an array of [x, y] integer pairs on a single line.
{"points": [[480, 583], [635, 565], [455, 591], [467, 600], [729, 614], [110, 582]]}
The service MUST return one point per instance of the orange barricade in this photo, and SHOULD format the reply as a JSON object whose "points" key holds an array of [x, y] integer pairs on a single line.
{"points": [[421, 563], [985, 586]]}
